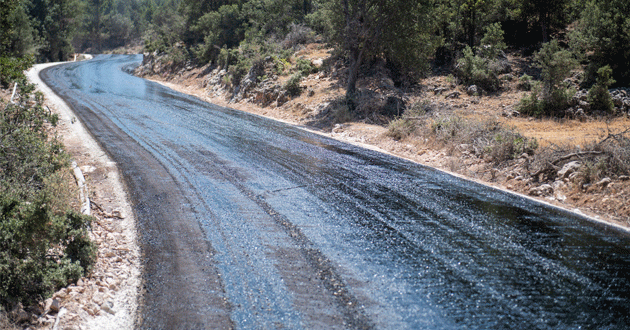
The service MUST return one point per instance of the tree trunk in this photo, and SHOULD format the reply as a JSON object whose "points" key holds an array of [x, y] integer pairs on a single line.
{"points": [[353, 75]]}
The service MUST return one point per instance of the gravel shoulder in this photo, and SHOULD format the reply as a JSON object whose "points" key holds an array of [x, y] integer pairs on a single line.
{"points": [[107, 298]]}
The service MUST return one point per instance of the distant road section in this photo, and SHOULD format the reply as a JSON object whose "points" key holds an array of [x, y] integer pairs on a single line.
{"points": [[249, 223]]}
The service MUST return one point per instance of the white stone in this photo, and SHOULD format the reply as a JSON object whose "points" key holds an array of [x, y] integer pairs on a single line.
{"points": [[569, 169]]}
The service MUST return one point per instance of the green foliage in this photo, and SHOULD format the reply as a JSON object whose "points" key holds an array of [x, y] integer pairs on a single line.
{"points": [[43, 243], [603, 32], [365, 30], [166, 29], [292, 86], [492, 44], [475, 70], [305, 67], [222, 28], [531, 104], [480, 69], [12, 70], [552, 97], [598, 96], [525, 82]]}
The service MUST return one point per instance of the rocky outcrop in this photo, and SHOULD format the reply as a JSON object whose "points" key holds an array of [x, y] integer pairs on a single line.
{"points": [[580, 108]]}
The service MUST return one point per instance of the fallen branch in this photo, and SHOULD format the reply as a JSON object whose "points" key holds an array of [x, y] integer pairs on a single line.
{"points": [[96, 206], [551, 166], [577, 154]]}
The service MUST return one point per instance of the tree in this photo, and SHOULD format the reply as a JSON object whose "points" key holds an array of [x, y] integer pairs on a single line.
{"points": [[552, 97], [604, 31], [373, 28], [598, 96], [56, 23], [547, 14]]}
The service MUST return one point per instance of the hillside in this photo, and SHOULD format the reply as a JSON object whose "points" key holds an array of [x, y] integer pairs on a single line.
{"points": [[319, 107]]}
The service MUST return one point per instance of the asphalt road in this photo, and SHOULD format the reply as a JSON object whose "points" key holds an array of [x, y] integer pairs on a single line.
{"points": [[254, 224]]}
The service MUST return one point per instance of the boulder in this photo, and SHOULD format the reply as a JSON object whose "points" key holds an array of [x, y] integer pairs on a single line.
{"points": [[568, 169], [603, 182], [473, 90]]}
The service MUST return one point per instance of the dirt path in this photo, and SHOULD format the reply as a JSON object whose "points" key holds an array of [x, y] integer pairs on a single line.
{"points": [[107, 298]]}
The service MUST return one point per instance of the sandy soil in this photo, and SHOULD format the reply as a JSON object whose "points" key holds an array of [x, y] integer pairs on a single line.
{"points": [[107, 298]]}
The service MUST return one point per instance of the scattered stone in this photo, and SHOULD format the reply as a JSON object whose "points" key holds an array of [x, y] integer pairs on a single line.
{"points": [[542, 190], [54, 306], [603, 182], [439, 90], [453, 95], [318, 63], [624, 178], [569, 169], [473, 90], [19, 315], [338, 128], [509, 112], [106, 308]]}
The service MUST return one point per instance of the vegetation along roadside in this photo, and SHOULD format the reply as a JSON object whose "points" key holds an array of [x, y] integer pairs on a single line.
{"points": [[528, 95]]}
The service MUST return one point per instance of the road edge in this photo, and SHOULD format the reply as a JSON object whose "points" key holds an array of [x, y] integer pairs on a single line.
{"points": [[108, 297]]}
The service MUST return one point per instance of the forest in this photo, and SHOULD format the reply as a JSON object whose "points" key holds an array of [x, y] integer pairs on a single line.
{"points": [[463, 36]]}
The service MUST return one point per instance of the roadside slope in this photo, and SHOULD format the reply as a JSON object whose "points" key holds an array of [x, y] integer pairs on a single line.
{"points": [[317, 105], [107, 299]]}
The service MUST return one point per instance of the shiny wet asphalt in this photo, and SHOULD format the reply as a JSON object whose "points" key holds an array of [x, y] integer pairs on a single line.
{"points": [[249, 223]]}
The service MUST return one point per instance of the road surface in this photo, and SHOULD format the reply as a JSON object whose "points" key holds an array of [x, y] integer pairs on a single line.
{"points": [[249, 223]]}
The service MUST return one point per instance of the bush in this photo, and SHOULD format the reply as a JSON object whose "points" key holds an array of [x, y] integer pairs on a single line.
{"points": [[299, 34], [552, 96], [43, 243], [292, 86], [525, 82], [12, 69], [400, 128], [531, 104], [475, 70], [492, 44], [482, 69], [305, 67], [598, 96]]}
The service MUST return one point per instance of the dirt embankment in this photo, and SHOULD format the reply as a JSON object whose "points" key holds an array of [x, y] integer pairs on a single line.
{"points": [[107, 297], [317, 108]]}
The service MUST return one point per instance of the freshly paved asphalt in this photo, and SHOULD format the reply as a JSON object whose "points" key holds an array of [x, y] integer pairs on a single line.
{"points": [[253, 224]]}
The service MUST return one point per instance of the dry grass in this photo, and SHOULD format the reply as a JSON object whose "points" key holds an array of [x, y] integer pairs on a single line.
{"points": [[5, 323]]}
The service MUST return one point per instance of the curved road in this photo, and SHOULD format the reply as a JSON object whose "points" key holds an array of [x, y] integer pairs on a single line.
{"points": [[254, 224]]}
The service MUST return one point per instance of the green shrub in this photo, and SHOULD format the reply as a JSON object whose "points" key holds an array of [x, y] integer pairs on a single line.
{"points": [[12, 69], [292, 86], [305, 67], [598, 96], [481, 69], [531, 104], [475, 70], [525, 82], [492, 44], [43, 243], [551, 97]]}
